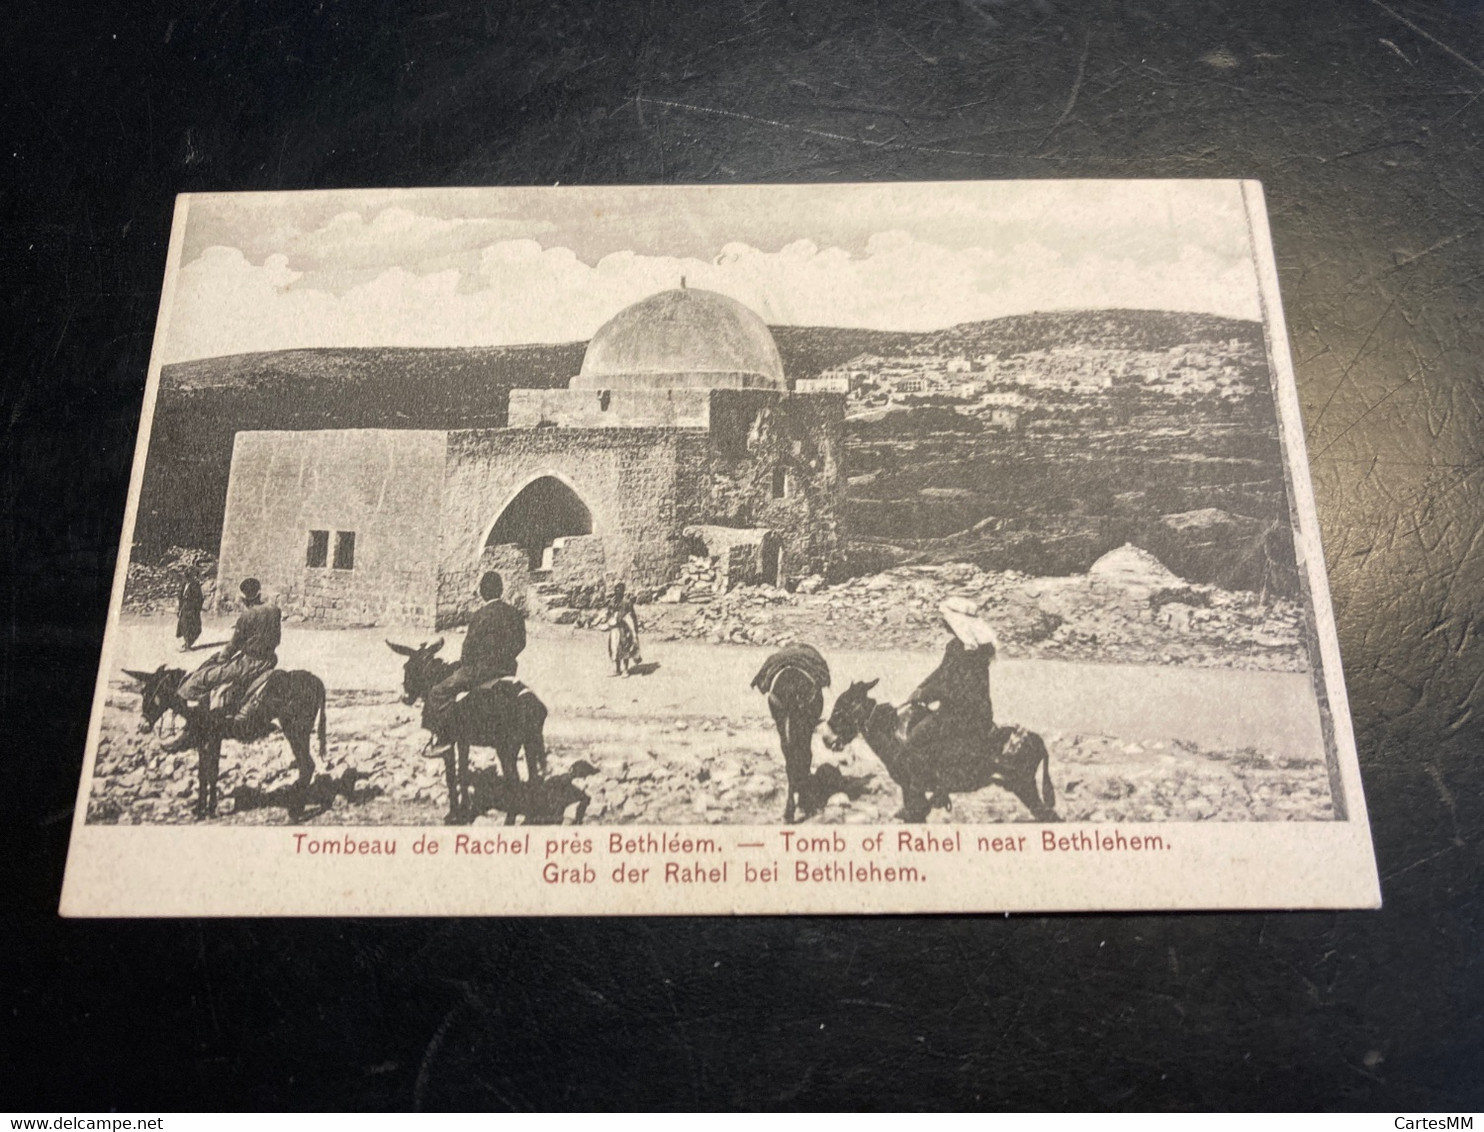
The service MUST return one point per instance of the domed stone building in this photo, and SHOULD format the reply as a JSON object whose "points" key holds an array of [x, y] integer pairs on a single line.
{"points": [[682, 339], [678, 436]]}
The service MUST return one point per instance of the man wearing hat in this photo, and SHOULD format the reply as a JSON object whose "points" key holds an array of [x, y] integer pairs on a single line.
{"points": [[959, 685], [251, 654], [496, 637]]}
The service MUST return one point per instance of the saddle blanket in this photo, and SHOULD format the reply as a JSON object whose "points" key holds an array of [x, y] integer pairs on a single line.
{"points": [[806, 658], [491, 684], [247, 700]]}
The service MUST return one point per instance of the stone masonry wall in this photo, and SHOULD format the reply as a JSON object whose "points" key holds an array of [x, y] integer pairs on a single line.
{"points": [[609, 408], [627, 478], [581, 562], [741, 553], [383, 485], [458, 596], [757, 437]]}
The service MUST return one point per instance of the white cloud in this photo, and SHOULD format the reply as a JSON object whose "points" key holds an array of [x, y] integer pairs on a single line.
{"points": [[517, 290]]}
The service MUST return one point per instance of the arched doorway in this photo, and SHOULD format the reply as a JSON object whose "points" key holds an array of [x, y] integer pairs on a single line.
{"points": [[543, 511]]}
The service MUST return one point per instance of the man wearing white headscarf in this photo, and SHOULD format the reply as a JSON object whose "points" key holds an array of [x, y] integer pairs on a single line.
{"points": [[959, 686]]}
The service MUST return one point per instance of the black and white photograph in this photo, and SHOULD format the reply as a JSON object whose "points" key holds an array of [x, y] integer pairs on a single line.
{"points": [[887, 506], [586, 556]]}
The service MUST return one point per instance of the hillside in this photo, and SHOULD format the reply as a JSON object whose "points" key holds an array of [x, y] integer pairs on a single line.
{"points": [[1068, 435], [1084, 470], [1096, 329], [202, 404]]}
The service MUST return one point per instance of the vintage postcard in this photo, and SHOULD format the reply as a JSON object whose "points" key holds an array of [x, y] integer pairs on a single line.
{"points": [[754, 549]]}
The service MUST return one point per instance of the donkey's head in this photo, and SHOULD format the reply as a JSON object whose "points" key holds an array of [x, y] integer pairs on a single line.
{"points": [[157, 690], [422, 669], [848, 717]]}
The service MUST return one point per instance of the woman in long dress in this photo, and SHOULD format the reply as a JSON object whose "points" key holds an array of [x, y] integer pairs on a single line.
{"points": [[188, 602]]}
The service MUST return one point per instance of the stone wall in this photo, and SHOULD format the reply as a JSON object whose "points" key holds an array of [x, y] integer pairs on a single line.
{"points": [[627, 478], [381, 485], [421, 503], [609, 408], [458, 595], [581, 563], [774, 462], [744, 556]]}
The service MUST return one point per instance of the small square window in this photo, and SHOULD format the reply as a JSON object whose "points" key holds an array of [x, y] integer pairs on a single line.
{"points": [[319, 548], [780, 483], [345, 550]]}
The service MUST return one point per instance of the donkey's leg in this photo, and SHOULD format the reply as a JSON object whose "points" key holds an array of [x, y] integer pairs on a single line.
{"points": [[531, 713], [199, 810], [1023, 786], [450, 774], [790, 792], [797, 761], [507, 754], [465, 816], [1025, 754], [915, 804], [297, 735], [211, 757], [513, 786]]}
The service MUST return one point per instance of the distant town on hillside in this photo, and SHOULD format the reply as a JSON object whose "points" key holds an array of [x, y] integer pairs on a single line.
{"points": [[1035, 442]]}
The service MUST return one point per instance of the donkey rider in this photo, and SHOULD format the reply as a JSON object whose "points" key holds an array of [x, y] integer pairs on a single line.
{"points": [[959, 686], [496, 637], [251, 654]]}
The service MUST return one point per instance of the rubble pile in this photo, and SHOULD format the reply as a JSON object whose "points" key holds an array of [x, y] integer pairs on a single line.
{"points": [[699, 579], [1129, 608], [152, 588], [759, 615], [696, 584]]}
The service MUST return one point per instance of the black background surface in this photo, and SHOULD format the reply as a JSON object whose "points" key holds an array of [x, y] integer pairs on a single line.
{"points": [[1364, 121]]}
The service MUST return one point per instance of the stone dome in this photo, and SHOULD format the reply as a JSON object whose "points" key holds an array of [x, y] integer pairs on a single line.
{"points": [[682, 339]]}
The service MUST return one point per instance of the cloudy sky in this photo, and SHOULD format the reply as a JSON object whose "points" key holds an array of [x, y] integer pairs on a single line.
{"points": [[476, 267]]}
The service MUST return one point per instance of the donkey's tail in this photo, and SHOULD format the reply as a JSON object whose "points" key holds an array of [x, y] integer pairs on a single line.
{"points": [[323, 697], [1048, 791]]}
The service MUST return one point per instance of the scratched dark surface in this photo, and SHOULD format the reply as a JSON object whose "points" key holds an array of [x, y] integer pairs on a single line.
{"points": [[1364, 121]]}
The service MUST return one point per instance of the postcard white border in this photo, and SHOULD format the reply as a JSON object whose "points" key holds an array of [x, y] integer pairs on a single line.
{"points": [[129, 871]]}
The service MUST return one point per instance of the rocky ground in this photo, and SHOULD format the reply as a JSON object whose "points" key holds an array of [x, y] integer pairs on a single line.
{"points": [[1127, 609], [690, 743], [152, 587]]}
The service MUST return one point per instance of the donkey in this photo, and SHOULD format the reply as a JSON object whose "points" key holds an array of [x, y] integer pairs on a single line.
{"points": [[505, 715], [794, 679], [293, 699], [1007, 757]]}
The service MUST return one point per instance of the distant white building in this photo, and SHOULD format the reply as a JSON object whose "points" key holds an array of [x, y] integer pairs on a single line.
{"points": [[1009, 398], [824, 383]]}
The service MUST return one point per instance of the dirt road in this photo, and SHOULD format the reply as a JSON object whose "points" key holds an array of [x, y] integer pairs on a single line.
{"points": [[692, 742]]}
